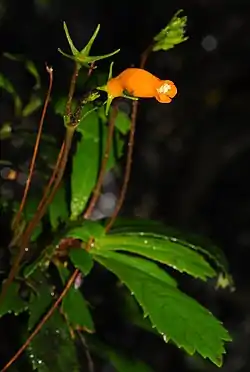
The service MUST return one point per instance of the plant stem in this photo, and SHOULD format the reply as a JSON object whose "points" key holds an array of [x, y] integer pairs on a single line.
{"points": [[42, 322], [33, 160]]}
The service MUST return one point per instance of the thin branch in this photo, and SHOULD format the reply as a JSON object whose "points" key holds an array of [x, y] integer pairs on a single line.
{"points": [[120, 201], [72, 90], [127, 169], [42, 322], [105, 158], [91, 366], [33, 160]]}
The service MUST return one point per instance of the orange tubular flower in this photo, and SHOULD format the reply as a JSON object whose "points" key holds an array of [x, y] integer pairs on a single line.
{"points": [[142, 84]]}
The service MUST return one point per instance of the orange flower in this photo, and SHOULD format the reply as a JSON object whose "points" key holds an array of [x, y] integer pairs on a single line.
{"points": [[141, 83]]}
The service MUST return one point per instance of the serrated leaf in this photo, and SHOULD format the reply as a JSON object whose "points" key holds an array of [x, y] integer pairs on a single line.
{"points": [[149, 267], [175, 315], [13, 303], [148, 228], [167, 252], [52, 349], [172, 34], [58, 209], [82, 260], [74, 306], [39, 301]]}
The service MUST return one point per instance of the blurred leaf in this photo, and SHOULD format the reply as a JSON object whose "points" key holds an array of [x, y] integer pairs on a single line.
{"points": [[13, 303], [5, 131], [52, 349], [29, 210], [125, 364], [122, 122], [175, 315], [82, 58], [74, 306], [167, 252], [41, 263], [29, 65], [7, 85], [172, 34], [157, 229], [41, 301], [88, 230], [34, 104], [58, 209], [81, 259], [60, 105]]}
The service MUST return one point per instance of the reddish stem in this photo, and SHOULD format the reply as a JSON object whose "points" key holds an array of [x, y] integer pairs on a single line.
{"points": [[33, 160]]}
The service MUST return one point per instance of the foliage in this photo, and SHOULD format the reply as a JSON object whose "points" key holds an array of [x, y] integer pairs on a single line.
{"points": [[143, 255]]}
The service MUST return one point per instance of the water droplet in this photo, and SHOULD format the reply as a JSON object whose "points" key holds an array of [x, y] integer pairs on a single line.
{"points": [[132, 293], [52, 294], [165, 338], [145, 242], [26, 249], [173, 240]]}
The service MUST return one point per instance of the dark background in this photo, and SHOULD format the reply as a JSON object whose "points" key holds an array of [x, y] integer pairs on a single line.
{"points": [[191, 159]]}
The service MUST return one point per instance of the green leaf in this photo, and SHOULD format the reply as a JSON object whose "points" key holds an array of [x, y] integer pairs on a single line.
{"points": [[29, 65], [34, 104], [133, 313], [124, 364], [8, 86], [13, 303], [41, 263], [89, 229], [85, 167], [74, 306], [155, 229], [148, 267], [175, 315], [41, 301], [122, 122], [52, 349], [58, 209], [172, 34], [29, 210], [167, 252], [82, 57], [86, 161], [59, 105], [82, 260]]}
